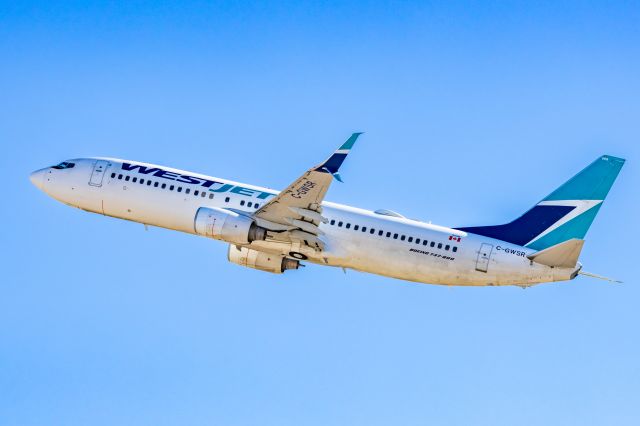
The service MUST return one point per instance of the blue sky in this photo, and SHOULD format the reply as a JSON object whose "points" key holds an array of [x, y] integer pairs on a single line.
{"points": [[473, 111]]}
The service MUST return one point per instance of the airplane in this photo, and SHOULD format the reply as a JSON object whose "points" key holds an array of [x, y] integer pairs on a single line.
{"points": [[277, 231]]}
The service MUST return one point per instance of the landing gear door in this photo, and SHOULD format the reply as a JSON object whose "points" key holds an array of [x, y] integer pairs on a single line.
{"points": [[97, 174], [484, 254]]}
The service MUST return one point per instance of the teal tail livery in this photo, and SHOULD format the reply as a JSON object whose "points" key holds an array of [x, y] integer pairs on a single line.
{"points": [[565, 214], [276, 231]]}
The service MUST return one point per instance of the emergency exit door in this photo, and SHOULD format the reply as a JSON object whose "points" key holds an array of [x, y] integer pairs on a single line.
{"points": [[97, 174], [482, 263]]}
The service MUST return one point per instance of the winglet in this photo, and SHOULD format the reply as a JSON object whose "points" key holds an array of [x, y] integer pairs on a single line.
{"points": [[333, 163]]}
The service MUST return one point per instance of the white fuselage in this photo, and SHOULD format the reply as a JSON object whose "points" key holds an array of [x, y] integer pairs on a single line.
{"points": [[355, 238]]}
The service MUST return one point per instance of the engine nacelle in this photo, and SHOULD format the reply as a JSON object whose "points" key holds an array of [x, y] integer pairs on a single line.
{"points": [[226, 225], [255, 259]]}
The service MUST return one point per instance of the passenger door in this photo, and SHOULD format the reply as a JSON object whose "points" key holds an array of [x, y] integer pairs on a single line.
{"points": [[484, 254], [97, 174]]}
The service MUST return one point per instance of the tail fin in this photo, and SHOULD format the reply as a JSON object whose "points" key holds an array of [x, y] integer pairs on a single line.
{"points": [[563, 215]]}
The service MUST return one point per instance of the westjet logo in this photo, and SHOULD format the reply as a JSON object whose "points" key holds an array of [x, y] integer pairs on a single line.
{"points": [[211, 185], [578, 207]]}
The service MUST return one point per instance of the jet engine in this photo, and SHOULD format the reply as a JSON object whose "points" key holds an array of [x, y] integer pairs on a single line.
{"points": [[255, 259], [226, 225]]}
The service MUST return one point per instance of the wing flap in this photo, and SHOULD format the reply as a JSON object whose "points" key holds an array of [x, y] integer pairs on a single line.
{"points": [[305, 226], [309, 239], [312, 215]]}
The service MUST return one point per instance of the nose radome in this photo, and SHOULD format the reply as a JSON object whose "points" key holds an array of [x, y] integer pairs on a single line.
{"points": [[37, 178]]}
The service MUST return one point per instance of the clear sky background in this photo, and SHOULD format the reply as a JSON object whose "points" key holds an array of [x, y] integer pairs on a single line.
{"points": [[473, 111]]}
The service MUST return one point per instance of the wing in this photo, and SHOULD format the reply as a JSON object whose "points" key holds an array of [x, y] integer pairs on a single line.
{"points": [[297, 210]]}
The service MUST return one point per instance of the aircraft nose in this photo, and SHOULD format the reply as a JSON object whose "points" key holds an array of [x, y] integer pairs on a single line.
{"points": [[37, 178]]}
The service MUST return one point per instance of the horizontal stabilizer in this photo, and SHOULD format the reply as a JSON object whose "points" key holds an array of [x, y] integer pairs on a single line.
{"points": [[600, 277], [563, 255]]}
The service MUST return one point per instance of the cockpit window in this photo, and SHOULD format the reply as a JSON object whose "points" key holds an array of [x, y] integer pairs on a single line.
{"points": [[64, 165]]}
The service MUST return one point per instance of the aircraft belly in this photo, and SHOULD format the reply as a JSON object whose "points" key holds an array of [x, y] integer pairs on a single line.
{"points": [[398, 261]]}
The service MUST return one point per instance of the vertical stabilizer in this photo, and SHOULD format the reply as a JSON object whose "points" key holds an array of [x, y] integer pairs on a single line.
{"points": [[565, 214]]}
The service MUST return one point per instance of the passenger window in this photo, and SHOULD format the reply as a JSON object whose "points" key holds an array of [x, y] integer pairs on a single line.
{"points": [[380, 232], [364, 229], [164, 185], [127, 178], [333, 222], [348, 225], [113, 175], [203, 194], [134, 180], [148, 183], [211, 196], [410, 239], [187, 190], [417, 240], [433, 244], [196, 192], [119, 176], [446, 247], [141, 181], [395, 236], [257, 205], [402, 237], [171, 188], [226, 200], [179, 189], [242, 203], [372, 231], [355, 228], [455, 249], [155, 184], [339, 224], [424, 243], [249, 204], [439, 245], [388, 234]]}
